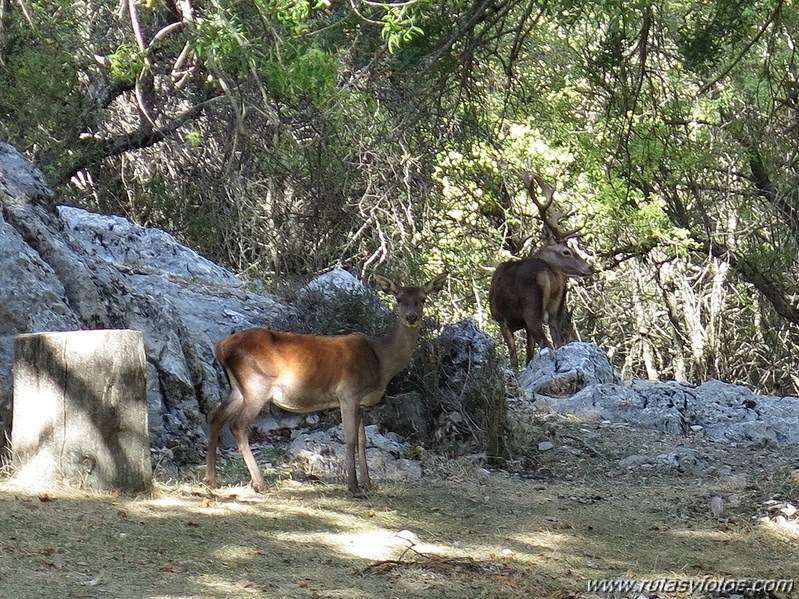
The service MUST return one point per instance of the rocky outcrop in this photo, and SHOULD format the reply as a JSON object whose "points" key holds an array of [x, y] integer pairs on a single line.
{"points": [[568, 370], [716, 410], [67, 269], [323, 453]]}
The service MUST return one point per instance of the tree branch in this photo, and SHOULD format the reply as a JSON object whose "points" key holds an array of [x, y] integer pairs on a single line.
{"points": [[144, 137], [704, 89], [762, 281]]}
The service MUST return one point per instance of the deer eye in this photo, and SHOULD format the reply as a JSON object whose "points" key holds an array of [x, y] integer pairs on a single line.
{"points": [[566, 252]]}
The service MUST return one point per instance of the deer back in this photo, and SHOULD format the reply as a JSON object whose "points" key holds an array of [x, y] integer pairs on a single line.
{"points": [[523, 288], [306, 373], [301, 372]]}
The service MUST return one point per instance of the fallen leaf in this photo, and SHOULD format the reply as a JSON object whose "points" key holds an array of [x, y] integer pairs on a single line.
{"points": [[170, 566]]}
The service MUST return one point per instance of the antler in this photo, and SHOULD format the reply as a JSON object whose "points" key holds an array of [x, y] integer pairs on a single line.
{"points": [[550, 216]]}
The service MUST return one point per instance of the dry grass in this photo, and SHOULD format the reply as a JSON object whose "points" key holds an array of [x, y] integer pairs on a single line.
{"points": [[577, 516]]}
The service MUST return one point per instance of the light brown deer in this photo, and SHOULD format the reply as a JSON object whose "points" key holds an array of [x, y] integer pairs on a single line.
{"points": [[528, 294], [310, 373]]}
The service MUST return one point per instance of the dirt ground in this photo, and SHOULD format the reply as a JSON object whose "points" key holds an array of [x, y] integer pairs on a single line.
{"points": [[574, 516]]}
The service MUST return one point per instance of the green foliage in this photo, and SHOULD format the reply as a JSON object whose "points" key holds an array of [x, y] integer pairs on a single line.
{"points": [[219, 37], [338, 312], [708, 34], [34, 74], [399, 27], [126, 63], [293, 14], [484, 401], [383, 136], [193, 139], [303, 72], [41, 104]]}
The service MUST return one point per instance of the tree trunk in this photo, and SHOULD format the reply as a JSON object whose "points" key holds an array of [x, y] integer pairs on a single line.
{"points": [[80, 410]]}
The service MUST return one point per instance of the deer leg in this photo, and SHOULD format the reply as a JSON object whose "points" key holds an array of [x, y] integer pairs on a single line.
{"points": [[215, 423], [538, 315], [555, 331], [568, 332], [535, 336], [240, 428], [559, 321], [366, 482], [351, 421], [241, 435], [534, 326], [216, 420], [507, 334]]}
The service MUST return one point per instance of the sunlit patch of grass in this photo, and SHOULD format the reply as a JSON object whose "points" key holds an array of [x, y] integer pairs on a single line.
{"points": [[450, 536], [780, 528], [231, 469]]}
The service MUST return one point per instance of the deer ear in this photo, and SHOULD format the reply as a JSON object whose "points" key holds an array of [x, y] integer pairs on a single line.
{"points": [[436, 284], [386, 285]]}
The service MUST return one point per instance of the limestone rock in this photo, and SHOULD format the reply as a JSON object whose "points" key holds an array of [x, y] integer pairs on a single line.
{"points": [[68, 269], [567, 370]]}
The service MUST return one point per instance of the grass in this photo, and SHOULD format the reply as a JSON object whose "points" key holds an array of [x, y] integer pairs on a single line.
{"points": [[577, 516]]}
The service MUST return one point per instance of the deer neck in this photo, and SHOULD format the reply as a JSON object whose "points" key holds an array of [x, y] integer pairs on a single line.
{"points": [[396, 350]]}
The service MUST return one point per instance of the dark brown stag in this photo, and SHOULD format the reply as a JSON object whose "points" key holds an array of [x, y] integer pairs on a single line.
{"points": [[528, 294], [310, 373]]}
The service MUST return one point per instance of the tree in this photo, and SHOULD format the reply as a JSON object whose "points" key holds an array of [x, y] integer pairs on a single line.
{"points": [[282, 138]]}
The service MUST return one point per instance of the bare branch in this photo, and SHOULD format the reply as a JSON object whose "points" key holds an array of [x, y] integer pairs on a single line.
{"points": [[144, 137]]}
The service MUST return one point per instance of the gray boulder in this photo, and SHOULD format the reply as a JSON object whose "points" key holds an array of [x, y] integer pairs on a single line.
{"points": [[323, 452], [567, 370], [719, 411], [736, 414], [681, 459], [465, 345], [68, 269], [138, 250], [333, 284]]}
